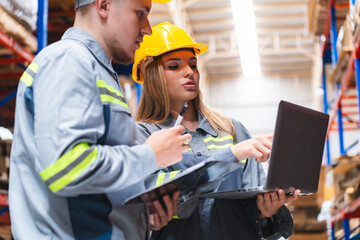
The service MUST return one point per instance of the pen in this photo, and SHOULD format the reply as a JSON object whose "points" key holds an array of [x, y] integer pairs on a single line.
{"points": [[180, 117]]}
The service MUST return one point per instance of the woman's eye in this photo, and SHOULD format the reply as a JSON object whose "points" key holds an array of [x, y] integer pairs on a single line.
{"points": [[173, 67], [193, 66]]}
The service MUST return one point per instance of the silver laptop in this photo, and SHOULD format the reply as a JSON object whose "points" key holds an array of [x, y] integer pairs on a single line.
{"points": [[296, 154]]}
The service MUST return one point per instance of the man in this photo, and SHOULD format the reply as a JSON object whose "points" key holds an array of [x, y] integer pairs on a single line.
{"points": [[73, 159]]}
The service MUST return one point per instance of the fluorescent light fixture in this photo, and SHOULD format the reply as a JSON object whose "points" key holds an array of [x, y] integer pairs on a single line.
{"points": [[243, 13]]}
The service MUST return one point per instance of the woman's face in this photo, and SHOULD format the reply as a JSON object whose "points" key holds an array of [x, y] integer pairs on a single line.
{"points": [[182, 75]]}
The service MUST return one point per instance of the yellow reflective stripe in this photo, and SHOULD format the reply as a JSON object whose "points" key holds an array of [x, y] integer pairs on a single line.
{"points": [[173, 174], [160, 179], [33, 67], [27, 79], [74, 173], [213, 146], [218, 139], [64, 161], [102, 84], [244, 161], [176, 217], [111, 99]]}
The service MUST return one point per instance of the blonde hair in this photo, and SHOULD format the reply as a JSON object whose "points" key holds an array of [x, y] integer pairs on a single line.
{"points": [[154, 105]]}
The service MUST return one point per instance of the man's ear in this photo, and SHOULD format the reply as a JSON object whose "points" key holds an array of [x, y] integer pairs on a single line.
{"points": [[102, 7]]}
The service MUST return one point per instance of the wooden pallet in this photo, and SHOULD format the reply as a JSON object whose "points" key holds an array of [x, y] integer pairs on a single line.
{"points": [[17, 31], [346, 178]]}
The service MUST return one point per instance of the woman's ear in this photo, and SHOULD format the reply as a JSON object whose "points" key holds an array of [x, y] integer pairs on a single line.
{"points": [[102, 7]]}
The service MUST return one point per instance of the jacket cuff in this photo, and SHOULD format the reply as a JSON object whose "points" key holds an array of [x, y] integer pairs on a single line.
{"points": [[278, 225]]}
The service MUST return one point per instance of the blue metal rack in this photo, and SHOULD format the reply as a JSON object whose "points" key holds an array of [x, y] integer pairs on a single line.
{"points": [[330, 33], [42, 23], [353, 69]]}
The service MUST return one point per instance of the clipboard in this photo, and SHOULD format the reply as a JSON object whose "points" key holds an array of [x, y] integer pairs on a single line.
{"points": [[205, 176]]}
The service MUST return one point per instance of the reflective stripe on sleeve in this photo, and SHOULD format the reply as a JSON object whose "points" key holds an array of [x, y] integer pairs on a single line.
{"points": [[28, 76], [33, 67], [69, 166], [110, 94]]}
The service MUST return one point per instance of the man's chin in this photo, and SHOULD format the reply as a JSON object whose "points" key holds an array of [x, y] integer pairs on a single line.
{"points": [[124, 60]]}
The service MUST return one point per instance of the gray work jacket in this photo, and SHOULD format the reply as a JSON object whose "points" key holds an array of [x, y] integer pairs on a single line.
{"points": [[73, 153], [221, 219]]}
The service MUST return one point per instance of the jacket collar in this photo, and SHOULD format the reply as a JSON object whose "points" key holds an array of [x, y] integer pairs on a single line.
{"points": [[204, 125], [91, 43]]}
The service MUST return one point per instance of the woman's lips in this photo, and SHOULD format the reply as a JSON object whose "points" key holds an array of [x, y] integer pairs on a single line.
{"points": [[190, 84]]}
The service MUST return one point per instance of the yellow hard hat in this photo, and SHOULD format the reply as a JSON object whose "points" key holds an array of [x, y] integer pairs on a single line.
{"points": [[165, 37]]}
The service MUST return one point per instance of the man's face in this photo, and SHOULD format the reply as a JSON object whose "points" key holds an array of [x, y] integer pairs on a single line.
{"points": [[127, 24]]}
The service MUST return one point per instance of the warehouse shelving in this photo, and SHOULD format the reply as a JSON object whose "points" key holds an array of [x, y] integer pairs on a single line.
{"points": [[18, 46], [346, 68], [350, 211]]}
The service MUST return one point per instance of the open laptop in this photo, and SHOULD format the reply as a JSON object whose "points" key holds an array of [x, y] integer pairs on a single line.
{"points": [[296, 154]]}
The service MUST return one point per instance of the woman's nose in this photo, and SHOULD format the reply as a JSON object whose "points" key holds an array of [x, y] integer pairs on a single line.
{"points": [[189, 72]]}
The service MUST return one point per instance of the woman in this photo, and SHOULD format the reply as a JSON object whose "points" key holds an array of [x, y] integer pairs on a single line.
{"points": [[166, 63]]}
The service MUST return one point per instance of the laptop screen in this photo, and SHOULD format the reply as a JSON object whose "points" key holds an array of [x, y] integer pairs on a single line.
{"points": [[298, 147]]}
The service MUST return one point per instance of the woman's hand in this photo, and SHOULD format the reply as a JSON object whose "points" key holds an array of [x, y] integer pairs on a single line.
{"points": [[269, 203], [258, 148], [159, 217]]}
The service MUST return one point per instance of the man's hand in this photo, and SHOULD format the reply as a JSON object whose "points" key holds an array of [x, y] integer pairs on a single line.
{"points": [[168, 145], [269, 203], [159, 217], [258, 148]]}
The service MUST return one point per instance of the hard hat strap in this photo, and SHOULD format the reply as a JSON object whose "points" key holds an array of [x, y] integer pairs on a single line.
{"points": [[144, 63]]}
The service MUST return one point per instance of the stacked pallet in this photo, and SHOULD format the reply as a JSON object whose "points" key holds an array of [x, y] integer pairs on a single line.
{"points": [[318, 11], [10, 26], [346, 181]]}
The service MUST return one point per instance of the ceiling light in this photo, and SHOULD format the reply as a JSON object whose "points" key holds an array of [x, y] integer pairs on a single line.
{"points": [[243, 13]]}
